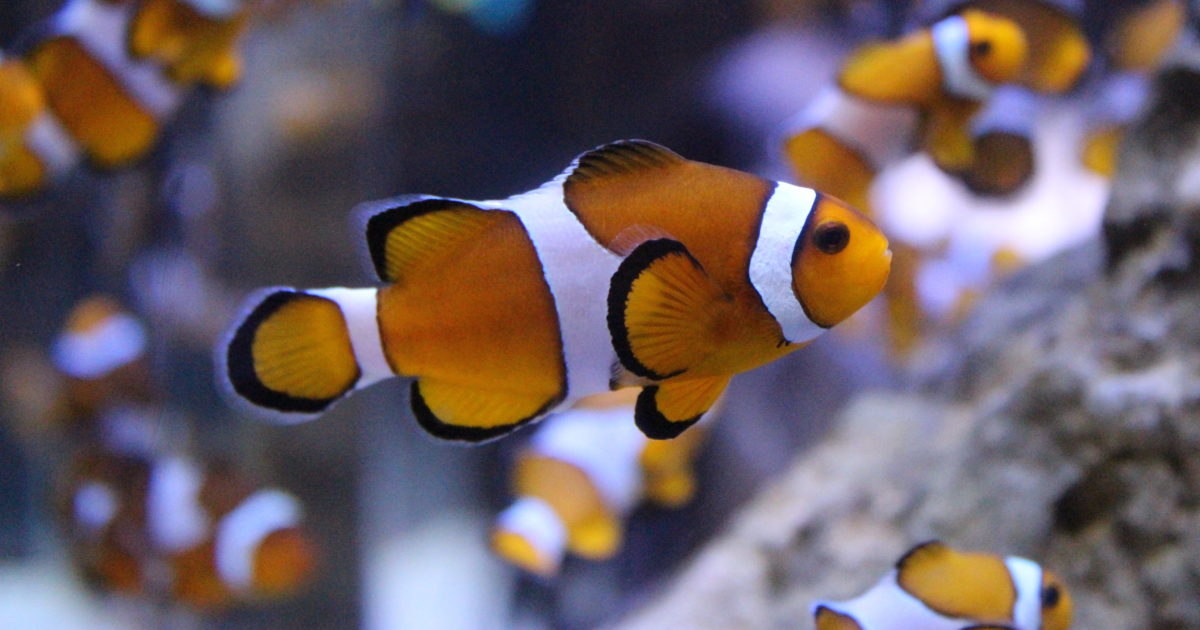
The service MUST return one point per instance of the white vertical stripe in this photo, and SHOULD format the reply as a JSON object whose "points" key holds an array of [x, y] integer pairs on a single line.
{"points": [[96, 505], [173, 513], [92, 353], [101, 29], [360, 309], [54, 147], [243, 530], [578, 271], [1027, 578], [771, 263], [952, 42], [538, 524]]}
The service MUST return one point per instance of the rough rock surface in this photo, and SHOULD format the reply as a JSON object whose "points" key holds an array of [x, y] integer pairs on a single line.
{"points": [[1064, 427]]}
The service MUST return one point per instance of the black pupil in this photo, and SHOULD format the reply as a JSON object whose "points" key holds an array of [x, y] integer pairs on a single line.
{"points": [[1050, 597], [981, 48], [831, 238]]}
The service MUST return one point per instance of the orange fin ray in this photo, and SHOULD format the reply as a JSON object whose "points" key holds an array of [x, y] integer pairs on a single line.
{"points": [[664, 411], [292, 353], [408, 234], [623, 157], [466, 413], [663, 310]]}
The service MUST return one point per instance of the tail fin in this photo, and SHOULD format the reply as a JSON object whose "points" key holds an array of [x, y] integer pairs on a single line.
{"points": [[297, 352], [531, 535]]}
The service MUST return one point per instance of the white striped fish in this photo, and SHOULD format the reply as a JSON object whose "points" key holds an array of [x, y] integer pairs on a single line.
{"points": [[635, 267]]}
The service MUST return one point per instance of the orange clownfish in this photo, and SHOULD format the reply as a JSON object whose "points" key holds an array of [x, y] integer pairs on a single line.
{"points": [[634, 267], [922, 88], [934, 587], [110, 74], [165, 527], [579, 478], [1058, 54]]}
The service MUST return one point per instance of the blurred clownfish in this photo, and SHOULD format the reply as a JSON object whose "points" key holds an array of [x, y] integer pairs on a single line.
{"points": [[934, 587], [1002, 131], [101, 357], [110, 74], [165, 527], [581, 475], [1135, 47], [634, 267], [923, 87]]}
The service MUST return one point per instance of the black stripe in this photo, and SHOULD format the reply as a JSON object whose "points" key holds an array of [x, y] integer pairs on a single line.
{"points": [[445, 431], [618, 298], [652, 422], [809, 225], [239, 361], [381, 224]]}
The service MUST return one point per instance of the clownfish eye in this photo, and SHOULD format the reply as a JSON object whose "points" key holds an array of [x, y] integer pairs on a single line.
{"points": [[1050, 596], [981, 49], [831, 237]]}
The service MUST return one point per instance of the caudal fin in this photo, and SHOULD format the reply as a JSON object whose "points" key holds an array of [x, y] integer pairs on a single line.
{"points": [[295, 351]]}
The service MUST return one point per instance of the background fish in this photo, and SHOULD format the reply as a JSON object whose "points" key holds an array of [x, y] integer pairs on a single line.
{"points": [[580, 476], [934, 587], [111, 75]]}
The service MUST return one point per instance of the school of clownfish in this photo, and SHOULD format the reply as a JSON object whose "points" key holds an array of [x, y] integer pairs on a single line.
{"points": [[615, 301], [144, 518]]}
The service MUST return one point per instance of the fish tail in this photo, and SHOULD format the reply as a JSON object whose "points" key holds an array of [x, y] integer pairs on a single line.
{"points": [[295, 353], [530, 534]]}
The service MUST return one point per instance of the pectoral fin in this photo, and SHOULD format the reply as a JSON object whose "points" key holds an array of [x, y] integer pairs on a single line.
{"points": [[664, 411], [663, 310], [472, 414]]}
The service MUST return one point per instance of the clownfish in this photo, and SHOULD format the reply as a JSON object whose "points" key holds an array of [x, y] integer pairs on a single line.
{"points": [[1002, 132], [582, 473], [165, 527], [934, 587], [101, 357], [110, 74], [921, 89], [634, 267], [1135, 47]]}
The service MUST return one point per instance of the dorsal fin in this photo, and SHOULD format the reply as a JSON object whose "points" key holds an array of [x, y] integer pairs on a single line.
{"points": [[958, 584], [416, 231], [622, 157]]}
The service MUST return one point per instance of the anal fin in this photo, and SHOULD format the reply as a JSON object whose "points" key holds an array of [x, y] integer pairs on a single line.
{"points": [[666, 410], [453, 411], [663, 310]]}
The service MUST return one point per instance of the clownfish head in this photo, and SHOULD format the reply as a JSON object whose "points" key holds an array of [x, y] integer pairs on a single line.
{"points": [[841, 261], [1056, 603], [996, 46]]}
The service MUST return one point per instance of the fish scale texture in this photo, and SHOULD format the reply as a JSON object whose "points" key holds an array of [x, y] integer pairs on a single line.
{"points": [[1062, 424]]}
